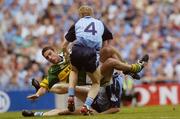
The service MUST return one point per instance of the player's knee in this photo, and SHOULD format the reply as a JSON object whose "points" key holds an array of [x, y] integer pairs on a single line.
{"points": [[105, 53], [105, 50], [111, 61]]}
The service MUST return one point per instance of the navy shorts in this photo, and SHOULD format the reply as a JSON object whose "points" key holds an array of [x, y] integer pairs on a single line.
{"points": [[84, 58]]}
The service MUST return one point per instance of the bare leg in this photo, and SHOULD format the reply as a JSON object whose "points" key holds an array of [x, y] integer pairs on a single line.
{"points": [[112, 63], [95, 78], [109, 55], [80, 91], [110, 52], [60, 88], [53, 112], [56, 112], [73, 77]]}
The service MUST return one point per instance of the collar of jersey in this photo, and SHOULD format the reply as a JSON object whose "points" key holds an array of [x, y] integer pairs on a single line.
{"points": [[87, 17]]}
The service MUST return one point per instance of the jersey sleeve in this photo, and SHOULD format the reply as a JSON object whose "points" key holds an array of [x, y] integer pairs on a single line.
{"points": [[44, 83], [107, 35], [71, 35]]}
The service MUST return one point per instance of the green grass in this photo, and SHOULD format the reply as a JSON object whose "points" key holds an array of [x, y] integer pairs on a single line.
{"points": [[150, 112]]}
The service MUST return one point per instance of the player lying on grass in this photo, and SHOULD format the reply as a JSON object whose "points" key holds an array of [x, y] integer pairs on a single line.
{"points": [[60, 69], [107, 101]]}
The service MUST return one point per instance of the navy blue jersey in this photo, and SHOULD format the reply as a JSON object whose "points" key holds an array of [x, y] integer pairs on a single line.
{"points": [[109, 96]]}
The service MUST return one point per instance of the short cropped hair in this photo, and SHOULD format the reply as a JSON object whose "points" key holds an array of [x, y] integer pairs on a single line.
{"points": [[46, 48], [85, 10]]}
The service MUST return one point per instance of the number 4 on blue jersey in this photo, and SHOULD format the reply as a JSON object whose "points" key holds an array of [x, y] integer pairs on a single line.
{"points": [[91, 28]]}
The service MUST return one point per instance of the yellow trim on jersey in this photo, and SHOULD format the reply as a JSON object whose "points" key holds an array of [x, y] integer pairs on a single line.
{"points": [[63, 75], [44, 83]]}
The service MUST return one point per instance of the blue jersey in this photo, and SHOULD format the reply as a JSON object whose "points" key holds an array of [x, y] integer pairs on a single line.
{"points": [[109, 96], [88, 32]]}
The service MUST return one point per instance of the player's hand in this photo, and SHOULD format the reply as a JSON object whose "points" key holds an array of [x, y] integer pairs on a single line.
{"points": [[33, 97]]}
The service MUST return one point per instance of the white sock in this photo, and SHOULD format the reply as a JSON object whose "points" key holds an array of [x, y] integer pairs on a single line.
{"points": [[38, 114]]}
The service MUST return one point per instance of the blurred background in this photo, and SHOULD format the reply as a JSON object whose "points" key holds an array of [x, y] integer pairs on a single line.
{"points": [[138, 26]]}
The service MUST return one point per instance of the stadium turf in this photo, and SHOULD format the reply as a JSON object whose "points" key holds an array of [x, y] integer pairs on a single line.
{"points": [[150, 112]]}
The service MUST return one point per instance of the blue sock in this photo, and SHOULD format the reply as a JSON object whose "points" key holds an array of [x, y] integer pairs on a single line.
{"points": [[38, 113], [71, 92], [89, 101]]}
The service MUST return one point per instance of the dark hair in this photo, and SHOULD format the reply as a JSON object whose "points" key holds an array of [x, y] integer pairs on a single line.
{"points": [[46, 48]]}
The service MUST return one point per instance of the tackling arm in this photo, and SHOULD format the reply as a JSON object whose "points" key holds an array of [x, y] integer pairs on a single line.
{"points": [[65, 48], [39, 93]]}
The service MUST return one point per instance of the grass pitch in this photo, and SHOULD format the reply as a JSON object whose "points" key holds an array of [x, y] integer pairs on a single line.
{"points": [[150, 112]]}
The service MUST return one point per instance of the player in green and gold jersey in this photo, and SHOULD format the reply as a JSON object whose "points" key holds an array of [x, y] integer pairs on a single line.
{"points": [[58, 72]]}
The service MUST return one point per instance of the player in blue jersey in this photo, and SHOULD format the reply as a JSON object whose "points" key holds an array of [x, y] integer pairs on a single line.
{"points": [[88, 35]]}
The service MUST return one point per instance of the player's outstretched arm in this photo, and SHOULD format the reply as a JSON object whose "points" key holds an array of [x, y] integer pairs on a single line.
{"points": [[39, 93]]}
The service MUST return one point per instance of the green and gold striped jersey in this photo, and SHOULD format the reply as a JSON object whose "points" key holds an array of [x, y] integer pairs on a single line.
{"points": [[60, 73]]}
